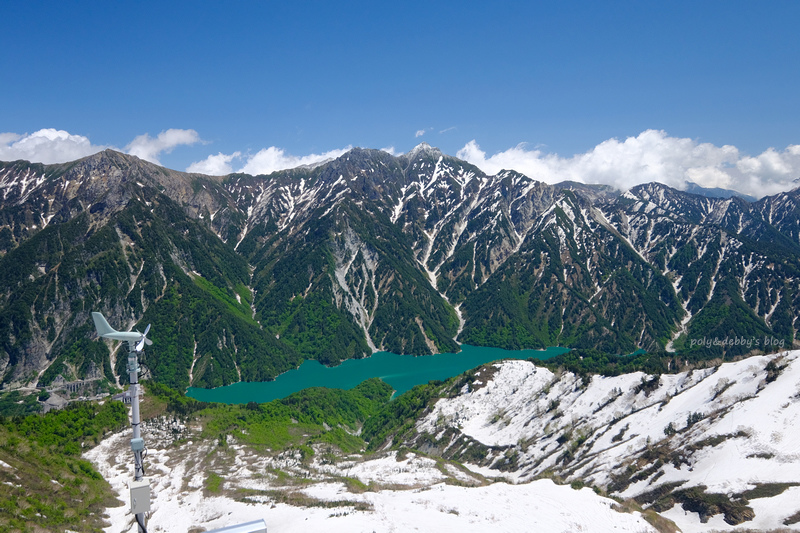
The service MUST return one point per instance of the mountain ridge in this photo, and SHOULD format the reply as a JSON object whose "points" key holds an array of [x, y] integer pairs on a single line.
{"points": [[371, 251]]}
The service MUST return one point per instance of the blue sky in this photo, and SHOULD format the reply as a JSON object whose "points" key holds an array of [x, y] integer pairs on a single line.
{"points": [[313, 78]]}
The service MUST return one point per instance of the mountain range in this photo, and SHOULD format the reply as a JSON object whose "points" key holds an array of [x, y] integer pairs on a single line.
{"points": [[243, 277]]}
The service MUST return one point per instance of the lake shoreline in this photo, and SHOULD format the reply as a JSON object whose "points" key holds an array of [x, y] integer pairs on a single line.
{"points": [[402, 372]]}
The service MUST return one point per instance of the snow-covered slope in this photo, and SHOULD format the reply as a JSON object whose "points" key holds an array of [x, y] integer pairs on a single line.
{"points": [[409, 493], [728, 429], [709, 449]]}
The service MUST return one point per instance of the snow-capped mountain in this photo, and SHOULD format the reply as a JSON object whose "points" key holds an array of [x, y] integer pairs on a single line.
{"points": [[243, 276]]}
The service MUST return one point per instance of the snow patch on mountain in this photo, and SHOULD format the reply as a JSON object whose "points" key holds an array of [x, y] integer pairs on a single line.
{"points": [[728, 428], [356, 287]]}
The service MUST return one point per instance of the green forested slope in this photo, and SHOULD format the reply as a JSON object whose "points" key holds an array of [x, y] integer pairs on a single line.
{"points": [[47, 486]]}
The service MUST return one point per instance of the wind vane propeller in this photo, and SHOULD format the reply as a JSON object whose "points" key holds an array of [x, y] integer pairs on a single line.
{"points": [[138, 340]]}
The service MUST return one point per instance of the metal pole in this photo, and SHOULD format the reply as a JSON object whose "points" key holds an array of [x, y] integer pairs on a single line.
{"points": [[137, 442]]}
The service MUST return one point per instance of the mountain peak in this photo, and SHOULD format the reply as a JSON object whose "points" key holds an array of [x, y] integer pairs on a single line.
{"points": [[423, 148], [109, 155], [716, 192]]}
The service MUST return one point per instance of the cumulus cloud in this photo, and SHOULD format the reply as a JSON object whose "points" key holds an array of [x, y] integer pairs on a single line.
{"points": [[149, 148], [47, 146], [273, 159], [265, 161], [419, 133], [214, 165], [391, 151], [651, 156]]}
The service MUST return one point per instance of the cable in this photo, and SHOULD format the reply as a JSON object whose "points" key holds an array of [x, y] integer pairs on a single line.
{"points": [[144, 455], [138, 461], [144, 529]]}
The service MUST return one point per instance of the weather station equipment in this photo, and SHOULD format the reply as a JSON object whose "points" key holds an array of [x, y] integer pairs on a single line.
{"points": [[140, 486]]}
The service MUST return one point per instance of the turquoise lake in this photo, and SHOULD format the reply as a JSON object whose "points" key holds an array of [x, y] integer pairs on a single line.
{"points": [[402, 372]]}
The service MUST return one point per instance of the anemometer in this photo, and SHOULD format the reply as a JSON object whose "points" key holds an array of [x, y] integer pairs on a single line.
{"points": [[140, 486]]}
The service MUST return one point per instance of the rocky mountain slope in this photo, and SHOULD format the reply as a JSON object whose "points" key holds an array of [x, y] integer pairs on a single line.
{"points": [[244, 276]]}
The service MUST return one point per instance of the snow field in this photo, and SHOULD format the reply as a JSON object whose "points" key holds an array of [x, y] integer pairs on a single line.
{"points": [[748, 432], [179, 502], [756, 425]]}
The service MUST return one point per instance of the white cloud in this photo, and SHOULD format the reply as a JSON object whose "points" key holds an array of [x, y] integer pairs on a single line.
{"points": [[651, 156], [149, 149], [8, 138], [419, 133], [58, 146], [46, 146], [214, 165], [268, 160], [272, 159]]}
